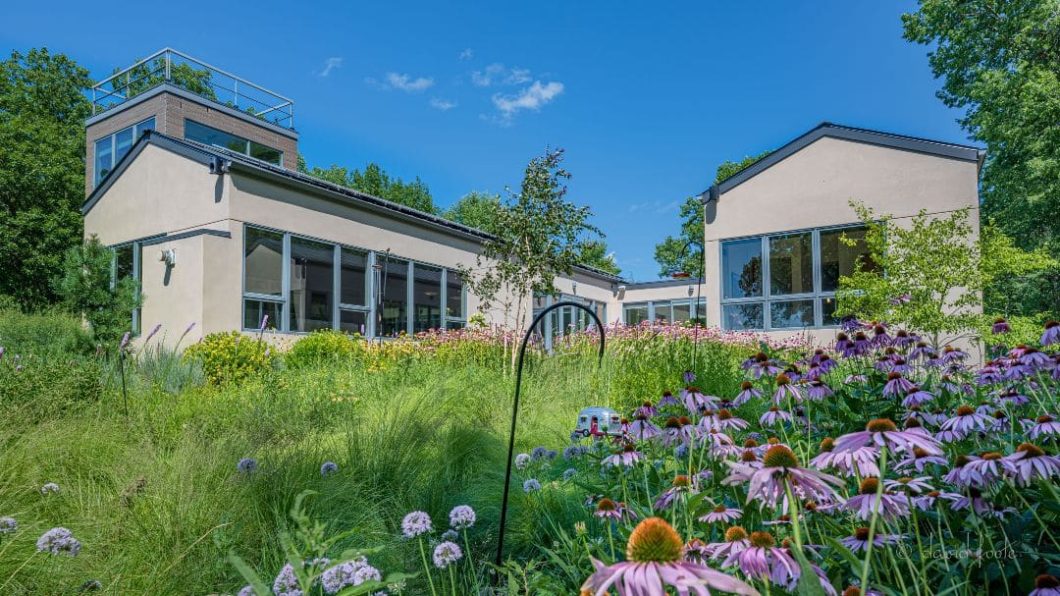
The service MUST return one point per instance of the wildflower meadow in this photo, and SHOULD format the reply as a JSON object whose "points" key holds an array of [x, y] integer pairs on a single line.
{"points": [[876, 464]]}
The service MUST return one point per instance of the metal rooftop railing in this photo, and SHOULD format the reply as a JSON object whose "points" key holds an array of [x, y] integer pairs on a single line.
{"points": [[168, 66]]}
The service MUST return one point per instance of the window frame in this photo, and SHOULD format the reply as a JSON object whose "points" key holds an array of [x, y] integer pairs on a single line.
{"points": [[767, 299], [694, 304], [373, 300], [137, 273], [246, 142], [112, 139]]}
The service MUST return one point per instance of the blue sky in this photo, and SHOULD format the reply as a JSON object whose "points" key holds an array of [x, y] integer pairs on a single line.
{"points": [[646, 100]]}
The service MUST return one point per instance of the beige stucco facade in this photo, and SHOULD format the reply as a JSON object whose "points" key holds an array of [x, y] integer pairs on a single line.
{"points": [[812, 187]]}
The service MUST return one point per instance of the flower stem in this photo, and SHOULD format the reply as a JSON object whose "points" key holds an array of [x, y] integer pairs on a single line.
{"points": [[426, 568], [872, 522]]}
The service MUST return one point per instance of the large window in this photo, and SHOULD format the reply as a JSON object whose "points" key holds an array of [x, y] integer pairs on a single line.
{"points": [[567, 319], [664, 311], [110, 149], [302, 285], [803, 271], [208, 135], [127, 264]]}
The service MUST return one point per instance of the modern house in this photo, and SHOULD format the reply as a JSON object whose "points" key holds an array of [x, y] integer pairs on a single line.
{"points": [[773, 232], [192, 179]]}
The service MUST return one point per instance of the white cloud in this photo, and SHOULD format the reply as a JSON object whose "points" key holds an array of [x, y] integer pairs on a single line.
{"points": [[467, 54], [498, 74], [329, 65], [529, 98], [442, 104], [404, 82]]}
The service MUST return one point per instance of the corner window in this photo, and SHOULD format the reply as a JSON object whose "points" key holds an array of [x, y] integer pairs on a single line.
{"points": [[803, 271], [208, 135], [110, 149]]}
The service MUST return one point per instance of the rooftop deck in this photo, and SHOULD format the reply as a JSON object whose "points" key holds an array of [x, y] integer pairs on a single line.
{"points": [[170, 67]]}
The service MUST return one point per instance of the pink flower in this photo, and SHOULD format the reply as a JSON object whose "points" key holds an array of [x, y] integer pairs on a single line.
{"points": [[773, 416], [864, 503], [747, 393], [1044, 425], [780, 468], [882, 432], [861, 461], [721, 513], [967, 420], [627, 457], [860, 540], [642, 428], [1030, 462], [654, 562]]}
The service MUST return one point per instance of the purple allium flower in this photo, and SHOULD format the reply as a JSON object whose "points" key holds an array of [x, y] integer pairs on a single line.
{"points": [[521, 461], [1051, 335], [247, 465], [1030, 462], [689, 377], [860, 540], [328, 468], [415, 524], [967, 420], [883, 432], [747, 392], [350, 573], [721, 513], [8, 525], [286, 582], [574, 451], [462, 517], [59, 541], [450, 535], [92, 585], [642, 428], [780, 467], [447, 553], [654, 562], [1045, 585], [264, 322], [569, 473], [627, 457], [531, 485], [864, 503], [1000, 326], [49, 489], [773, 416]]}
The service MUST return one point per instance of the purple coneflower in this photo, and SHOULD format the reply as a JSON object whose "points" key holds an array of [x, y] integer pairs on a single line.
{"points": [[735, 542], [818, 391], [916, 396], [446, 553], [1051, 335], [627, 457], [721, 513], [780, 468], [742, 470], [415, 524], [864, 503], [927, 500], [983, 471], [785, 390], [880, 337], [951, 354], [654, 562], [1000, 326], [612, 510], [462, 517], [921, 350], [843, 343], [678, 430], [774, 415], [883, 432], [1044, 425], [643, 428], [1045, 585], [1033, 359], [904, 339], [647, 409], [967, 420], [724, 420], [1030, 462], [763, 366], [765, 561], [1013, 398], [896, 385], [909, 485], [860, 540], [681, 485], [59, 541], [694, 399], [918, 459], [668, 399], [747, 392]]}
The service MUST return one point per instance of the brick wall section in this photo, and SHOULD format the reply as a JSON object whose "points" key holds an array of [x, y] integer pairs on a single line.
{"points": [[170, 111]]}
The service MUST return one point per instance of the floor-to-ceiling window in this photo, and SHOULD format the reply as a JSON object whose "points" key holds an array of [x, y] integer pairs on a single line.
{"points": [[426, 297], [312, 292], [394, 290], [802, 270], [664, 311], [127, 265]]}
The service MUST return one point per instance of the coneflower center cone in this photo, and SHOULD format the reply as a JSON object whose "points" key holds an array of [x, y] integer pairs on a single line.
{"points": [[780, 456], [654, 541], [762, 540]]}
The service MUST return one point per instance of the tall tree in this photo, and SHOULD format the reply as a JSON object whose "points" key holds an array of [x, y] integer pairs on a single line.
{"points": [[477, 210], [375, 181], [42, 184], [684, 253], [1000, 63], [593, 253], [538, 237]]}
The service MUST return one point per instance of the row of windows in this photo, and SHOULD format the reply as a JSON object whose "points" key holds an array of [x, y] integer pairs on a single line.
{"points": [[566, 319], [208, 135], [110, 149], [303, 285], [665, 311], [788, 281]]}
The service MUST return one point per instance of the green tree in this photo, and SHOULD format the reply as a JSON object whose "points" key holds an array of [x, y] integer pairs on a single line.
{"points": [[593, 253], [684, 252], [539, 236], [931, 272], [477, 210], [1000, 63], [42, 170], [375, 181], [87, 288]]}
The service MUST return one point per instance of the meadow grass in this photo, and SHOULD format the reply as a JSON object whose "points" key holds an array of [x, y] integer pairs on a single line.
{"points": [[158, 503]]}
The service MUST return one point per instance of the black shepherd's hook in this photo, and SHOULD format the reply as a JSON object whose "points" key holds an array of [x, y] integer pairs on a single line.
{"points": [[515, 405]]}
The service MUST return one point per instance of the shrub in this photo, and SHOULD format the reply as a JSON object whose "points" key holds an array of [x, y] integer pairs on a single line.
{"points": [[323, 347], [41, 389], [86, 287], [47, 334], [230, 357]]}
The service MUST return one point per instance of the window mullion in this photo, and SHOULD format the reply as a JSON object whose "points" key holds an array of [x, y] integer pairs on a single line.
{"points": [[285, 285], [336, 283], [767, 291]]}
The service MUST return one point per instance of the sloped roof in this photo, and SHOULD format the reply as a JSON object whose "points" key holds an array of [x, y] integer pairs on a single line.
{"points": [[849, 133], [216, 156]]}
